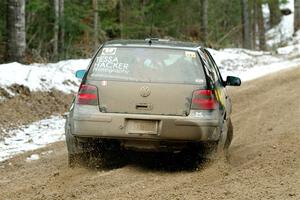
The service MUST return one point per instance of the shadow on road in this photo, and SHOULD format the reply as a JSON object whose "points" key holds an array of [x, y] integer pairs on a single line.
{"points": [[170, 162]]}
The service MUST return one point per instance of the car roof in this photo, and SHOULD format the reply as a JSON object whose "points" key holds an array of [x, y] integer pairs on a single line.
{"points": [[155, 43]]}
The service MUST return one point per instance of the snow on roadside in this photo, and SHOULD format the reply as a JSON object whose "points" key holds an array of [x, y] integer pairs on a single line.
{"points": [[248, 65], [33, 157], [43, 77], [293, 49], [33, 136]]}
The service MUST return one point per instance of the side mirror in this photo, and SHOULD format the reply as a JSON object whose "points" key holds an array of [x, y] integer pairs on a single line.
{"points": [[233, 81], [80, 73]]}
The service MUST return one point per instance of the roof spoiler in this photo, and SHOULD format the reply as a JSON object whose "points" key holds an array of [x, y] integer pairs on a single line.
{"points": [[149, 40]]}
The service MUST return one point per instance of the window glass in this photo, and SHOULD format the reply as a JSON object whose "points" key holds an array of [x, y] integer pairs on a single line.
{"points": [[213, 71], [215, 66], [148, 65], [207, 67]]}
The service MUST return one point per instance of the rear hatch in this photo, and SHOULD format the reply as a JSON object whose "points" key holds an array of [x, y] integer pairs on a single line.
{"points": [[146, 80]]}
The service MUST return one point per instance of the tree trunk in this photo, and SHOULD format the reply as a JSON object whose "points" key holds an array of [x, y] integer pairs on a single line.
{"points": [[56, 30], [16, 32], [275, 13], [246, 25], [95, 10], [261, 26], [121, 15], [203, 27], [254, 23], [61, 46], [297, 15]]}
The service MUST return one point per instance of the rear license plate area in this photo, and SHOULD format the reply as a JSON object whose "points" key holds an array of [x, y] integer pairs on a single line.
{"points": [[136, 126]]}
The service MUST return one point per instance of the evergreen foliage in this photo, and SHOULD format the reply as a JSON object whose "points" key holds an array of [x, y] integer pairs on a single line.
{"points": [[127, 19]]}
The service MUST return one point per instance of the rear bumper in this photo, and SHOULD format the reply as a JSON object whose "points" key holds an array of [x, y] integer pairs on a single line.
{"points": [[170, 128]]}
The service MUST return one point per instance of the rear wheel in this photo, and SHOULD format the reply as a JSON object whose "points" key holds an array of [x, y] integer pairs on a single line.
{"points": [[229, 135], [216, 150], [228, 139]]}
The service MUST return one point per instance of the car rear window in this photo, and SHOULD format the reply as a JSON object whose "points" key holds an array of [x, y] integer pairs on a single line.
{"points": [[148, 65]]}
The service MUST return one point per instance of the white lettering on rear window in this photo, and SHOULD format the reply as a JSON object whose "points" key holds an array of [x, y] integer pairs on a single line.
{"points": [[110, 64]]}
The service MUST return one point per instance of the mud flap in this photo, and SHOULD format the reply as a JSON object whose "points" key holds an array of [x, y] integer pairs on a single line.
{"points": [[79, 154], [74, 145]]}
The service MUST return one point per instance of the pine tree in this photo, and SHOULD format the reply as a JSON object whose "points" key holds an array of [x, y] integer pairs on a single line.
{"points": [[61, 37], [261, 26], [96, 18], [246, 25], [275, 14], [59, 32], [56, 30]]}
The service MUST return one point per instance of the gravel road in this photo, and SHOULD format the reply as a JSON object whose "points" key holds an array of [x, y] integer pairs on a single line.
{"points": [[264, 159]]}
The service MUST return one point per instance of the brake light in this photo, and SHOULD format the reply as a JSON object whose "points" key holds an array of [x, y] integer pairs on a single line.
{"points": [[87, 95], [203, 100]]}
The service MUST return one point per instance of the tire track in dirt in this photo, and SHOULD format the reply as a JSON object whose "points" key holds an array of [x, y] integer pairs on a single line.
{"points": [[264, 161]]}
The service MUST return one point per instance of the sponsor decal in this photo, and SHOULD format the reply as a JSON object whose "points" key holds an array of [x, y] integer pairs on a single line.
{"points": [[109, 51], [110, 64], [190, 54]]}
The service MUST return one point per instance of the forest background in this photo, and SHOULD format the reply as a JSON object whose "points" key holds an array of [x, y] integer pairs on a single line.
{"points": [[52, 30]]}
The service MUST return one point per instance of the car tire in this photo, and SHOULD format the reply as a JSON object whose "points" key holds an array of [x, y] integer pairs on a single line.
{"points": [[219, 149], [229, 135], [228, 139]]}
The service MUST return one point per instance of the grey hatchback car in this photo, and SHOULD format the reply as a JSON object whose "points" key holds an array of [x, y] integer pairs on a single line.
{"points": [[149, 95]]}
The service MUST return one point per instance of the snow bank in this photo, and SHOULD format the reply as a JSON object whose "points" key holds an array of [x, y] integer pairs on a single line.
{"points": [[293, 48], [43, 77], [249, 65]]}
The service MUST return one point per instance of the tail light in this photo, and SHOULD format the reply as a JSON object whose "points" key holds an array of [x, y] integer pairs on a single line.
{"points": [[87, 95], [203, 100]]}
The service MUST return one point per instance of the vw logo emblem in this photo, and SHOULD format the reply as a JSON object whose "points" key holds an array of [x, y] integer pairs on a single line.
{"points": [[145, 91]]}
